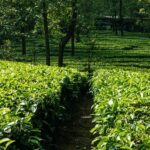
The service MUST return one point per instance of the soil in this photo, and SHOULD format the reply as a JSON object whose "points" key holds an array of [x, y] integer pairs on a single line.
{"points": [[76, 135]]}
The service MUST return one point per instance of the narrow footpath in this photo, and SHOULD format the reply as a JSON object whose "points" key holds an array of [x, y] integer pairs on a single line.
{"points": [[76, 135]]}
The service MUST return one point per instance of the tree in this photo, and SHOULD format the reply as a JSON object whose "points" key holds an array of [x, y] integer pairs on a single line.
{"points": [[121, 16], [17, 19], [46, 31], [74, 22], [80, 8], [70, 31]]}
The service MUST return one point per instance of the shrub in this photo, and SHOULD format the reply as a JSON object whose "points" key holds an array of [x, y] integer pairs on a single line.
{"points": [[32, 103], [121, 110]]}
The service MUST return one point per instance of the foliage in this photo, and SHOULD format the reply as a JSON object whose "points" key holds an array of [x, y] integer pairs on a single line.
{"points": [[121, 110], [31, 101], [7, 142], [7, 52], [17, 18]]}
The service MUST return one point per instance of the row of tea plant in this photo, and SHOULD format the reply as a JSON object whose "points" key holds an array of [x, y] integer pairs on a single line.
{"points": [[33, 99], [121, 110]]}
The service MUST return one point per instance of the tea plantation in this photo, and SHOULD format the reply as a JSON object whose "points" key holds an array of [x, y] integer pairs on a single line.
{"points": [[121, 110], [37, 101], [74, 74], [33, 100]]}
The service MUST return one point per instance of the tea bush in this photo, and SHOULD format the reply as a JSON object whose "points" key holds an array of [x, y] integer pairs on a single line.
{"points": [[121, 110], [32, 101]]}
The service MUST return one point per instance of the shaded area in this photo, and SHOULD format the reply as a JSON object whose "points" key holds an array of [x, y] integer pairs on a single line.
{"points": [[109, 50], [76, 135]]}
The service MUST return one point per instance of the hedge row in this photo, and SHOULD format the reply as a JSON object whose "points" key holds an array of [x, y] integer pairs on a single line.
{"points": [[121, 110], [32, 100]]}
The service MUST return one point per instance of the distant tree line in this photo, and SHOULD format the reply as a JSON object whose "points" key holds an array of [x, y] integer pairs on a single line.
{"points": [[130, 15], [129, 24]]}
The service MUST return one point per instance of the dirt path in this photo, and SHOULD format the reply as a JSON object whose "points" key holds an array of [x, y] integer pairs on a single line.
{"points": [[76, 135]]}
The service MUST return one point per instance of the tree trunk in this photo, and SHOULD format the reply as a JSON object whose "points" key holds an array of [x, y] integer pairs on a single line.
{"points": [[70, 34], [62, 45], [142, 25], [46, 33], [73, 45], [115, 24], [78, 35], [23, 39], [74, 22], [61, 53], [121, 17]]}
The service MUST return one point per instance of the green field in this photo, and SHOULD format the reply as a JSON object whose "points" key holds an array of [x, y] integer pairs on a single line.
{"points": [[33, 100], [74, 74], [132, 50], [121, 110], [34, 97]]}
